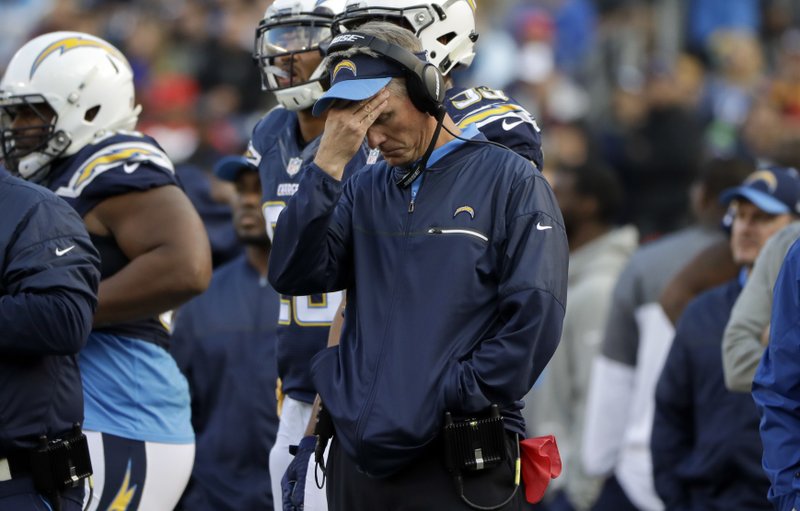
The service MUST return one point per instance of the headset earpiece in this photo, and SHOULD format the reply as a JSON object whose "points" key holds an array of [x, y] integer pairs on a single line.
{"points": [[426, 88], [431, 89]]}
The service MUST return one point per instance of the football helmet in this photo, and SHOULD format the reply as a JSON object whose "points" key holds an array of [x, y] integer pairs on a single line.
{"points": [[287, 49], [70, 87], [447, 30]]}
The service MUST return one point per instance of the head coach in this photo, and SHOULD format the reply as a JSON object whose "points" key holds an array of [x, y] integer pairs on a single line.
{"points": [[454, 256]]}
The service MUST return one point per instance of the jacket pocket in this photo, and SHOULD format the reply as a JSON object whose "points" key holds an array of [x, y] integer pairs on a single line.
{"points": [[466, 232]]}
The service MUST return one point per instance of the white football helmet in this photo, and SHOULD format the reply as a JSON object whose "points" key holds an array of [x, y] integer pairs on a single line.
{"points": [[446, 29], [78, 86], [288, 42]]}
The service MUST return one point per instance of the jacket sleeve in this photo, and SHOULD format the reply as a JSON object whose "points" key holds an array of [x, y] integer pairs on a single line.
{"points": [[741, 344], [611, 384], [671, 440], [312, 241], [49, 283], [532, 297], [741, 347], [776, 389]]}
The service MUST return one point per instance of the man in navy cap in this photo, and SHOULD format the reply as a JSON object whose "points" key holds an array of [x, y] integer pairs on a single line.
{"points": [[453, 253], [715, 463], [224, 342]]}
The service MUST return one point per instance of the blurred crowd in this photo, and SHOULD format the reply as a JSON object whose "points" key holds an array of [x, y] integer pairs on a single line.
{"points": [[650, 87], [648, 109]]}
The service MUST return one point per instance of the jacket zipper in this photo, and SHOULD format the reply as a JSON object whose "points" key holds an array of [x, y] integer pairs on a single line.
{"points": [[371, 396]]}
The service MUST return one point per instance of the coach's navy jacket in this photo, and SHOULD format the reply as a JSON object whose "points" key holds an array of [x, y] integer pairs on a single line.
{"points": [[454, 306], [49, 273], [705, 444]]}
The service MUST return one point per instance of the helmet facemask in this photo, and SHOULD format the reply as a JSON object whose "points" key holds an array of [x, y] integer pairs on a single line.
{"points": [[28, 137], [289, 58]]}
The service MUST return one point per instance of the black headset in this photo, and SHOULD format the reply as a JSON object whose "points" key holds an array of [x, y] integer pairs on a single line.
{"points": [[424, 81]]}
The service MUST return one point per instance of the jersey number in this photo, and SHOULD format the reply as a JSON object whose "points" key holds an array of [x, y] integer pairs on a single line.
{"points": [[272, 210], [316, 310], [471, 96]]}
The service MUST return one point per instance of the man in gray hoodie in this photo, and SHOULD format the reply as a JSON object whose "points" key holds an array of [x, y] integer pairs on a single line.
{"points": [[590, 198]]}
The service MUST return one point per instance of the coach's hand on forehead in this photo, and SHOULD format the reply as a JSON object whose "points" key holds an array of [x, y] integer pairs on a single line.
{"points": [[345, 130]]}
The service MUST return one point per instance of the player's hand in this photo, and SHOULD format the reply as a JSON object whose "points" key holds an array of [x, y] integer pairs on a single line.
{"points": [[293, 483], [345, 129]]}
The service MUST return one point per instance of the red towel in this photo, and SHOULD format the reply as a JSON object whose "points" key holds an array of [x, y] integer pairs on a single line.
{"points": [[540, 463]]}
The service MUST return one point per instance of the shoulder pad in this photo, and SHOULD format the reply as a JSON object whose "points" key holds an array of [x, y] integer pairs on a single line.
{"points": [[126, 152]]}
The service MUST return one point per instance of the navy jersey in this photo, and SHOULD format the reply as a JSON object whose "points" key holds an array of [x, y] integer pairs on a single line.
{"points": [[500, 118], [303, 323], [119, 163]]}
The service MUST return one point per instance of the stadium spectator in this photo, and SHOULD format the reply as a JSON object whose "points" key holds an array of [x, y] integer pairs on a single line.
{"points": [[590, 199], [619, 410], [747, 331], [705, 445]]}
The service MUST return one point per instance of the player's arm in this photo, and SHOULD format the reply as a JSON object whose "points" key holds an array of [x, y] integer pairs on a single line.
{"points": [[711, 267], [334, 335], [161, 234]]}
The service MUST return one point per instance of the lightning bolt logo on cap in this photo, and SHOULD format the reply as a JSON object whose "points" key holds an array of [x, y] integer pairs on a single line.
{"points": [[344, 65], [766, 176]]}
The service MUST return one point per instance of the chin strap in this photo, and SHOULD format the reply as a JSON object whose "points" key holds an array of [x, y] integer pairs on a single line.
{"points": [[416, 168]]}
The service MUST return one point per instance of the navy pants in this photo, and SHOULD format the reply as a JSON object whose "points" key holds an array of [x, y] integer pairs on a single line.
{"points": [[424, 485], [20, 495], [613, 498]]}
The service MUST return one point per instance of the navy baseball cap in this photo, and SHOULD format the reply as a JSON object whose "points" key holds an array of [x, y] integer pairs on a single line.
{"points": [[356, 78], [773, 190], [229, 167]]}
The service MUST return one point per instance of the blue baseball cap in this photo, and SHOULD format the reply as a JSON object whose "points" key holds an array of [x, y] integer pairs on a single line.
{"points": [[228, 168], [773, 190], [356, 78]]}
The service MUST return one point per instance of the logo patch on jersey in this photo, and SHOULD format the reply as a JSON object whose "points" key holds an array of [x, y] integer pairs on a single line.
{"points": [[293, 167], [287, 189], [128, 155], [72, 43], [347, 65], [512, 116], [511, 125], [465, 209], [372, 157]]}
